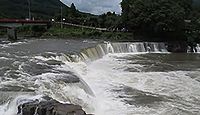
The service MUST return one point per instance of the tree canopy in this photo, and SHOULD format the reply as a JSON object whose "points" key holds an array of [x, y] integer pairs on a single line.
{"points": [[156, 17], [73, 7]]}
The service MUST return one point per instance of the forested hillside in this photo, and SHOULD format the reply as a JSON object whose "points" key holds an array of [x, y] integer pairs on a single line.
{"points": [[39, 8]]}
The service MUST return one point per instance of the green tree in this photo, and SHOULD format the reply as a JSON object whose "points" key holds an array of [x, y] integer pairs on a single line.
{"points": [[156, 17], [193, 27], [73, 10], [110, 20], [73, 7]]}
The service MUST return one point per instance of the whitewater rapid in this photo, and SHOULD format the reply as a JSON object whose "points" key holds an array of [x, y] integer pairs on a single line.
{"points": [[105, 79], [119, 92]]}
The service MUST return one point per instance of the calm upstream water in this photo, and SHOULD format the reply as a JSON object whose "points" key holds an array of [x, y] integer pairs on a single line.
{"points": [[104, 78]]}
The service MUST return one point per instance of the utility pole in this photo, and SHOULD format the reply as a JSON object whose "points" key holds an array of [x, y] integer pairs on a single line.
{"points": [[29, 9], [61, 17]]}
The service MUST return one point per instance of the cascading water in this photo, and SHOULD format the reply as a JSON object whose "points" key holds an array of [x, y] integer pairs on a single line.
{"points": [[198, 48], [132, 48], [193, 49], [104, 49], [110, 48], [106, 79]]}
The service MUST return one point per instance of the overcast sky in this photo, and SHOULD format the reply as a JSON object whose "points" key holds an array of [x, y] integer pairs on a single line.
{"points": [[96, 6]]}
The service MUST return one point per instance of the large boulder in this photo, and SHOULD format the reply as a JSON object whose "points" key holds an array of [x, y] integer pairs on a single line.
{"points": [[50, 107]]}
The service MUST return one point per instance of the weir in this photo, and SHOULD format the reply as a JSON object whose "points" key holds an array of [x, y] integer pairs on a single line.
{"points": [[198, 48], [100, 50]]}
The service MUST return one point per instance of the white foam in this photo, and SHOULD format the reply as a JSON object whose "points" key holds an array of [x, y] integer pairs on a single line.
{"points": [[11, 107], [5, 58], [104, 75], [75, 93], [12, 44]]}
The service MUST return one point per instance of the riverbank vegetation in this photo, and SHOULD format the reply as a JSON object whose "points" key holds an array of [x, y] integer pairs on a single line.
{"points": [[148, 20], [169, 20], [74, 32], [69, 32], [2, 32]]}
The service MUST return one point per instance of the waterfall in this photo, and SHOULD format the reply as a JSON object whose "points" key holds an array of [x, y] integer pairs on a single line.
{"points": [[103, 49], [132, 48], [198, 48], [193, 49], [110, 48], [157, 47]]}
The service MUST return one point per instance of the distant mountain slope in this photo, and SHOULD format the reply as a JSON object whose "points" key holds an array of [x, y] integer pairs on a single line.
{"points": [[39, 8]]}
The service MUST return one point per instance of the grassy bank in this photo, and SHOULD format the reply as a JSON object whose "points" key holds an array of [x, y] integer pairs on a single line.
{"points": [[74, 32], [69, 32], [26, 31], [3, 32]]}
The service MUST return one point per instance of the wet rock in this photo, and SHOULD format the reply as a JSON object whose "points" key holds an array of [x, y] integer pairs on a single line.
{"points": [[15, 88], [68, 79], [54, 62], [49, 54], [50, 107], [36, 68]]}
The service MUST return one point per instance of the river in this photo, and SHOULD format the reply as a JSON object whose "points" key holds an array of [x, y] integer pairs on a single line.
{"points": [[104, 78]]}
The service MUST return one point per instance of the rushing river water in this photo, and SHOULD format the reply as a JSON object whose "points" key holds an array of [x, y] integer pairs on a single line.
{"points": [[104, 78]]}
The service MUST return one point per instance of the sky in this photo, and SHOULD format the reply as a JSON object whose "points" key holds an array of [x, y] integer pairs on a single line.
{"points": [[96, 6]]}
